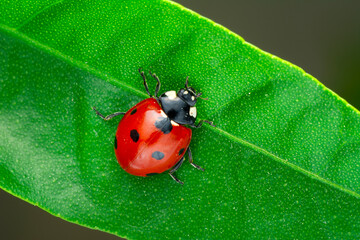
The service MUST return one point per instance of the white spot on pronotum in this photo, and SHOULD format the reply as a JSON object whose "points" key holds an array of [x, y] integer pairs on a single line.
{"points": [[192, 112], [174, 123], [186, 92], [171, 94], [193, 98], [163, 114]]}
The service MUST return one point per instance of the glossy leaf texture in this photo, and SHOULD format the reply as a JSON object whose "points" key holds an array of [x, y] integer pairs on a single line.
{"points": [[283, 161]]}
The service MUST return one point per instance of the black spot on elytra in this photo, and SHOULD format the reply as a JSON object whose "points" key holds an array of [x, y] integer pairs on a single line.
{"points": [[164, 124], [115, 143], [133, 111], [134, 135], [158, 155], [181, 151], [151, 174]]}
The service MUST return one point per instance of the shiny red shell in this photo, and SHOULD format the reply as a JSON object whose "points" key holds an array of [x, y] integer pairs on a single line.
{"points": [[144, 150]]}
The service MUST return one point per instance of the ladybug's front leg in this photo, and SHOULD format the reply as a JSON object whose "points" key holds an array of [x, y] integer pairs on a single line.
{"points": [[192, 161], [146, 86], [145, 83], [158, 84], [174, 168], [109, 116]]}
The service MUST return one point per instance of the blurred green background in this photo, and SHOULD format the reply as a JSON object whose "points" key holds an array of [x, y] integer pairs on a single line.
{"points": [[321, 36]]}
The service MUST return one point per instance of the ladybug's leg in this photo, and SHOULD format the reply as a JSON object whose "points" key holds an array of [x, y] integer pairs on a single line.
{"points": [[145, 84], [157, 84], [192, 161], [109, 116], [174, 168], [201, 123]]}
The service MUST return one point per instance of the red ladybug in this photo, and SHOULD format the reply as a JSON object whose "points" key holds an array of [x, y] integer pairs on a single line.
{"points": [[151, 137]]}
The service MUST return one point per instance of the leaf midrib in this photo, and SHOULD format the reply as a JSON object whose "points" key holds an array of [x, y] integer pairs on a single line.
{"points": [[32, 42]]}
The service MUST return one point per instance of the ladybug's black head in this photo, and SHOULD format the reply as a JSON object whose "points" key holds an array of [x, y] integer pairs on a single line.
{"points": [[188, 94], [179, 107]]}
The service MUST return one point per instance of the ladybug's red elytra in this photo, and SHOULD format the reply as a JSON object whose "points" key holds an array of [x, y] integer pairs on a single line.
{"points": [[152, 137]]}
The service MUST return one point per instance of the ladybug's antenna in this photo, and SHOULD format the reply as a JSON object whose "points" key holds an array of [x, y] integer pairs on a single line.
{"points": [[193, 90], [187, 82]]}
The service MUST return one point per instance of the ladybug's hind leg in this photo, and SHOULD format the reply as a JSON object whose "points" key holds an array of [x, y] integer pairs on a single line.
{"points": [[192, 161], [173, 170]]}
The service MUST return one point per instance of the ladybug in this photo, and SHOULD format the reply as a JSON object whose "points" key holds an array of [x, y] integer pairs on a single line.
{"points": [[153, 136]]}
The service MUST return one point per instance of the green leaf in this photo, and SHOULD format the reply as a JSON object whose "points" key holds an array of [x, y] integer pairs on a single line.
{"points": [[283, 161]]}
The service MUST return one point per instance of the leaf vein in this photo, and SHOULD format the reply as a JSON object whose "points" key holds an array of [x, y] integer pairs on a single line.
{"points": [[38, 13], [286, 162]]}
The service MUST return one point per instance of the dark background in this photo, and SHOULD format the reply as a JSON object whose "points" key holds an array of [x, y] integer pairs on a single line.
{"points": [[320, 36]]}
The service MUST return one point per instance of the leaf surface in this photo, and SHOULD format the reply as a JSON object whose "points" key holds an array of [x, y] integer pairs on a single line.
{"points": [[283, 161]]}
